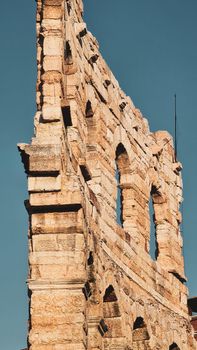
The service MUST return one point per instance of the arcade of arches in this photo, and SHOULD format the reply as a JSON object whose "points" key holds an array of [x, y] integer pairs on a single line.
{"points": [[93, 167]]}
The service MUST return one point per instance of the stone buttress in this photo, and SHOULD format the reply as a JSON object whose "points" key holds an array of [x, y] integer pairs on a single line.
{"points": [[92, 282]]}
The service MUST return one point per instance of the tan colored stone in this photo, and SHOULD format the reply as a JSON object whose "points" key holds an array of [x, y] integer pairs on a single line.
{"points": [[51, 113], [42, 184], [93, 284], [52, 46], [53, 63], [52, 12]]}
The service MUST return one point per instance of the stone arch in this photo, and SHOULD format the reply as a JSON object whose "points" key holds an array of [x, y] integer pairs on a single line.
{"points": [[125, 161], [91, 101], [140, 334], [174, 341], [88, 110], [167, 218], [113, 321], [113, 332], [157, 210], [122, 170], [91, 114], [107, 280], [139, 311], [120, 136], [155, 199]]}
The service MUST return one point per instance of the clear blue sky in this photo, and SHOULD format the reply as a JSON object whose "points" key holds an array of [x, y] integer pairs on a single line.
{"points": [[151, 46]]}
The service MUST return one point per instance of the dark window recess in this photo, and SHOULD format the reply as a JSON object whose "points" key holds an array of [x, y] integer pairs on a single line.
{"points": [[174, 347], [136, 127], [66, 116], [139, 323], [90, 259], [41, 39], [87, 290], [68, 53], [85, 173], [93, 59], [107, 82], [127, 237], [110, 295], [122, 106], [142, 335], [154, 191], [102, 327], [120, 150], [83, 33], [68, 6], [89, 111]]}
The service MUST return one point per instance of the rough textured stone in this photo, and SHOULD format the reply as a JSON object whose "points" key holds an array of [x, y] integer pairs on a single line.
{"points": [[92, 282]]}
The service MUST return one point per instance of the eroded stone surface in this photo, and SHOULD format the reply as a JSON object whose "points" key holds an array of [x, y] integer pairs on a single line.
{"points": [[93, 284]]}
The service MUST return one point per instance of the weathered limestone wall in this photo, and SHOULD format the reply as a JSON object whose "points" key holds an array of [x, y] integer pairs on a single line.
{"points": [[92, 283]]}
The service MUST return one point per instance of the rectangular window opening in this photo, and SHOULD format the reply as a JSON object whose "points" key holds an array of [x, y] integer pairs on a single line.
{"points": [[66, 116]]}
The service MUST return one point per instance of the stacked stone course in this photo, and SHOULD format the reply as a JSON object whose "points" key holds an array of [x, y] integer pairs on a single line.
{"points": [[92, 282]]}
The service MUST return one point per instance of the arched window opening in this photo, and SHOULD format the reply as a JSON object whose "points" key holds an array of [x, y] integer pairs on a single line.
{"points": [[110, 304], [110, 295], [69, 7], [153, 236], [111, 324], [119, 217], [89, 112], [87, 290], [174, 346], [68, 53], [140, 334], [90, 259], [139, 323], [122, 169]]}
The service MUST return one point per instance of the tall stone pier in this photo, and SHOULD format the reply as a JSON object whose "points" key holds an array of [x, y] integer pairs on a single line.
{"points": [[93, 167]]}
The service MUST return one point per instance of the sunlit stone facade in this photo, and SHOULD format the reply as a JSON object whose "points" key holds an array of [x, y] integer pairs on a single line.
{"points": [[92, 282]]}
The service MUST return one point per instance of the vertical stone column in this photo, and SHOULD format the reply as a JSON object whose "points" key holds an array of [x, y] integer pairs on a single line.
{"points": [[57, 231], [57, 276], [51, 36]]}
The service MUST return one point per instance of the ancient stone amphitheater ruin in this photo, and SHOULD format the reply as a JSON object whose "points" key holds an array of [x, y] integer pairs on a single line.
{"points": [[92, 282]]}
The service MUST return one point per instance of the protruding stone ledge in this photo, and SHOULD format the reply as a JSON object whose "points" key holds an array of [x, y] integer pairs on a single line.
{"points": [[40, 159], [180, 277], [51, 113], [69, 197], [74, 285], [52, 208]]}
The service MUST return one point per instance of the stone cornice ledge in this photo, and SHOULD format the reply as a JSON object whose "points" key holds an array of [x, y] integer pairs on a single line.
{"points": [[47, 285]]}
